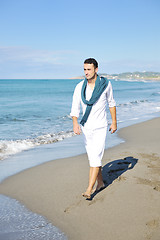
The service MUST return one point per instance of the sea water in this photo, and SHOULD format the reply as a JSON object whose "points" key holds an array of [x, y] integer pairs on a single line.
{"points": [[36, 112], [35, 121]]}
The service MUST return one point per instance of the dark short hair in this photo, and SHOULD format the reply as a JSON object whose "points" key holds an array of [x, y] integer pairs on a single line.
{"points": [[90, 61]]}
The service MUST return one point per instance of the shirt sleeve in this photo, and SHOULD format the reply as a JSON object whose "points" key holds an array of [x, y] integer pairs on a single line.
{"points": [[75, 109], [110, 99]]}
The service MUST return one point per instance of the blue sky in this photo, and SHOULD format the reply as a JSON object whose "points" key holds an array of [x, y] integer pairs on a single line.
{"points": [[52, 38]]}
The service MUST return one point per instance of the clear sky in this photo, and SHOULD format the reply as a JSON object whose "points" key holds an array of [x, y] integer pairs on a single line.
{"points": [[52, 38]]}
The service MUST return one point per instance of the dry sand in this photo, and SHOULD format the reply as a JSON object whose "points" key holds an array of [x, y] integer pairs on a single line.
{"points": [[127, 209]]}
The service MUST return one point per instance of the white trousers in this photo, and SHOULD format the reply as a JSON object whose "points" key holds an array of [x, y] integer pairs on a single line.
{"points": [[95, 143]]}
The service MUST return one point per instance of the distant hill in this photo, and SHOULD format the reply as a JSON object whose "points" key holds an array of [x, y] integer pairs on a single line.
{"points": [[130, 75], [135, 75]]}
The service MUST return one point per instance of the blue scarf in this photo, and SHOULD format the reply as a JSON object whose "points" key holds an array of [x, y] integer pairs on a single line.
{"points": [[100, 86]]}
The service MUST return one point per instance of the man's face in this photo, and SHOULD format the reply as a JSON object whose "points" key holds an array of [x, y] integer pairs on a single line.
{"points": [[90, 71]]}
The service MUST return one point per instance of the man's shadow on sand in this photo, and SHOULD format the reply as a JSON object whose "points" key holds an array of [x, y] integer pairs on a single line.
{"points": [[113, 170]]}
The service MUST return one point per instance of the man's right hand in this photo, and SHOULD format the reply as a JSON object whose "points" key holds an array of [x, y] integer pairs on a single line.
{"points": [[76, 126], [77, 129]]}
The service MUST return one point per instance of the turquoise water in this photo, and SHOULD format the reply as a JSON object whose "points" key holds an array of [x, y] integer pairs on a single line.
{"points": [[36, 112]]}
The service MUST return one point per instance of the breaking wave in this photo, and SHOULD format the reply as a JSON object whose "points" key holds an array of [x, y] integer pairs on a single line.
{"points": [[11, 147], [136, 102]]}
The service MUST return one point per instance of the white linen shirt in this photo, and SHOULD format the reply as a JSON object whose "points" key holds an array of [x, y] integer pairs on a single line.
{"points": [[98, 115]]}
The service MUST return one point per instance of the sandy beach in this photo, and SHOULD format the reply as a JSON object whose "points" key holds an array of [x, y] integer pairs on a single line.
{"points": [[129, 206]]}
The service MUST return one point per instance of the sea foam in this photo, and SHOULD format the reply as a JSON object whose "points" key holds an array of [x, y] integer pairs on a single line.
{"points": [[11, 147]]}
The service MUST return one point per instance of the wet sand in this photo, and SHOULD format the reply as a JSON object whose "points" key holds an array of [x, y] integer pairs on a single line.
{"points": [[129, 206]]}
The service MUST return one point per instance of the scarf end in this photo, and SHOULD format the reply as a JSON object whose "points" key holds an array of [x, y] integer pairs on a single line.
{"points": [[82, 122]]}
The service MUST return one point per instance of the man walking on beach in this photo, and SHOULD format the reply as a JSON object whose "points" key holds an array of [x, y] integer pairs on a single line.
{"points": [[93, 94]]}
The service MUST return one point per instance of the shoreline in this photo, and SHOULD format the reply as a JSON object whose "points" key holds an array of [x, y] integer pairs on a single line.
{"points": [[128, 208], [73, 146]]}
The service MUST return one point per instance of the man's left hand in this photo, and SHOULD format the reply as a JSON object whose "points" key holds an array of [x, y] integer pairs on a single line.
{"points": [[113, 127]]}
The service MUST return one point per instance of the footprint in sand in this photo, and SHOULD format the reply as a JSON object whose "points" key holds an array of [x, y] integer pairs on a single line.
{"points": [[154, 184], [76, 204], [121, 178], [153, 223], [153, 229]]}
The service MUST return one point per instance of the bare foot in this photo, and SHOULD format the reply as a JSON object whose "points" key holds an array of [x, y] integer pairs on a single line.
{"points": [[87, 194], [100, 187]]}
